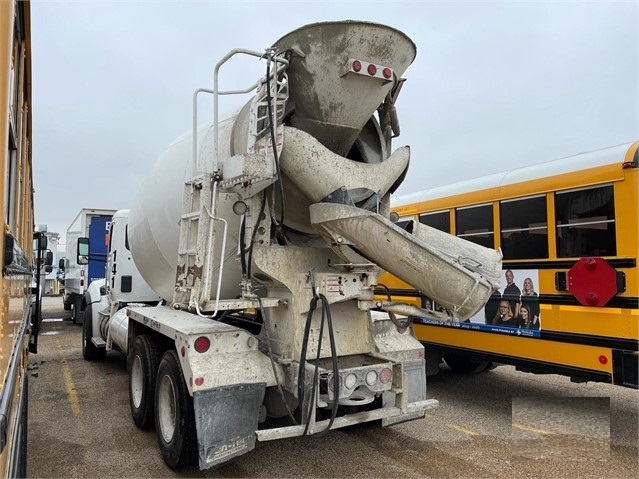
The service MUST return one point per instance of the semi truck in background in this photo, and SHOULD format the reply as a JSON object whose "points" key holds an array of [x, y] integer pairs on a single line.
{"points": [[80, 270], [264, 235]]}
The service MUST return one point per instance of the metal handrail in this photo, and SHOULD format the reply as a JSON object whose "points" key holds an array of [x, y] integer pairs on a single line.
{"points": [[280, 65]]}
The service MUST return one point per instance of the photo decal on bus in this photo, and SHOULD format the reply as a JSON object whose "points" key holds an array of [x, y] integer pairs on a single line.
{"points": [[513, 309]]}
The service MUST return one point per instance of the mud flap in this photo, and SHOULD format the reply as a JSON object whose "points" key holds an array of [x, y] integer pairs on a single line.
{"points": [[226, 420]]}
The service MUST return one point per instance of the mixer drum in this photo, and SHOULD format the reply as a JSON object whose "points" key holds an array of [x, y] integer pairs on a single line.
{"points": [[329, 103]]}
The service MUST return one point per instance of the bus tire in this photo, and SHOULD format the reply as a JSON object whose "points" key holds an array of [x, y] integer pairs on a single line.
{"points": [[143, 368], [464, 365], [174, 415], [90, 351]]}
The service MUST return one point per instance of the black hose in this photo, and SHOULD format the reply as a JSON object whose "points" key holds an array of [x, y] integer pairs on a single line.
{"points": [[388, 295], [331, 336], [326, 316], [311, 401], [400, 325], [301, 372], [254, 235], [243, 248], [269, 99]]}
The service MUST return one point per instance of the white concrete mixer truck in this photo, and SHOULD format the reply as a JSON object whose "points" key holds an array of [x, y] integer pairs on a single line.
{"points": [[264, 234]]}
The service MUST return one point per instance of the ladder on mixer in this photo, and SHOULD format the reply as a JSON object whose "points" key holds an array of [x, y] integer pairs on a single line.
{"points": [[198, 231]]}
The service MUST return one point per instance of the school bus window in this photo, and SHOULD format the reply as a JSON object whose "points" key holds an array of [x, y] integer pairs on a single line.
{"points": [[586, 222], [475, 223], [439, 220], [15, 76], [524, 228]]}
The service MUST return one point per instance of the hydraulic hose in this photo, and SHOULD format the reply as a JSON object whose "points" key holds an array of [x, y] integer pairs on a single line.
{"points": [[326, 316], [253, 236], [269, 101]]}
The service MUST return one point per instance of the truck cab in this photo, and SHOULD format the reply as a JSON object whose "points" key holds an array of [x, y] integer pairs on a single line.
{"points": [[105, 297]]}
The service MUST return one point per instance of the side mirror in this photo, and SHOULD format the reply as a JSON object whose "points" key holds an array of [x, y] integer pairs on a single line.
{"points": [[48, 259], [15, 261], [48, 268], [61, 264], [40, 242], [83, 251], [9, 242]]}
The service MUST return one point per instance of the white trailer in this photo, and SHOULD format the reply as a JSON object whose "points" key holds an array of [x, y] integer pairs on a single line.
{"points": [[265, 234], [79, 271]]}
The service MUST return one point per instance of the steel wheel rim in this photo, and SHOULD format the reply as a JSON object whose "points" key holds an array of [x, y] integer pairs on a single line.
{"points": [[167, 408], [137, 381]]}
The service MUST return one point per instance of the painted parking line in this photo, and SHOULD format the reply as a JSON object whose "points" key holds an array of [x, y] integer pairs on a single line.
{"points": [[536, 430], [72, 394], [456, 427], [464, 430]]}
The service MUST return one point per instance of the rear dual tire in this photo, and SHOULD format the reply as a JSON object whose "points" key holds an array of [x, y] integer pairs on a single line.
{"points": [[143, 367], [174, 414], [158, 395]]}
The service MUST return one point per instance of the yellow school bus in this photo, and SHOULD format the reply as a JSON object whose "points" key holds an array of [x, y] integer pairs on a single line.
{"points": [[568, 230], [16, 241]]}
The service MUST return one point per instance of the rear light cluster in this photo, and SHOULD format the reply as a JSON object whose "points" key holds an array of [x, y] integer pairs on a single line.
{"points": [[372, 378], [369, 69]]}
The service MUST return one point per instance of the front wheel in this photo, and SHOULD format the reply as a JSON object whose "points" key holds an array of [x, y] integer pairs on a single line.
{"points": [[90, 351], [77, 309], [143, 367], [174, 415]]}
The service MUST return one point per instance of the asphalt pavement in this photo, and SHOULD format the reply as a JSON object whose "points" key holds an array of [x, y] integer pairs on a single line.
{"points": [[497, 424]]}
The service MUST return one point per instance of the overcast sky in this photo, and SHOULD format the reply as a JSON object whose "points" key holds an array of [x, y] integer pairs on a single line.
{"points": [[495, 85]]}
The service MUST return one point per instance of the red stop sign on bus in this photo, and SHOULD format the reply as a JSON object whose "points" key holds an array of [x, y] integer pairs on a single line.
{"points": [[592, 281]]}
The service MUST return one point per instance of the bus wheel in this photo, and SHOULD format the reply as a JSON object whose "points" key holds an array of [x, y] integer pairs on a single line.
{"points": [[174, 415], [90, 351], [464, 365], [143, 367]]}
